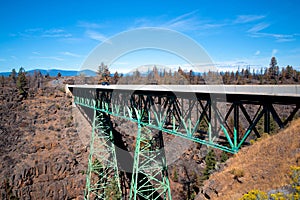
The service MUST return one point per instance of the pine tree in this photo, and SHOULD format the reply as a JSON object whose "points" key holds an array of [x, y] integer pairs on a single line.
{"points": [[289, 72], [13, 76], [22, 82], [116, 77], [103, 73], [274, 69], [210, 161], [2, 81]]}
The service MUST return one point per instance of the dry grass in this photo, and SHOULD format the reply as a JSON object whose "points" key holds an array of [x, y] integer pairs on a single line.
{"points": [[265, 165]]}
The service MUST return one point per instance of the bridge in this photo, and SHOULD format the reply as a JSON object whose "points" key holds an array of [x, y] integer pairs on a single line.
{"points": [[225, 117]]}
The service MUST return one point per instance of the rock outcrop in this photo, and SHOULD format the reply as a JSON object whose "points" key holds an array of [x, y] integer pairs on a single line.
{"points": [[41, 153]]}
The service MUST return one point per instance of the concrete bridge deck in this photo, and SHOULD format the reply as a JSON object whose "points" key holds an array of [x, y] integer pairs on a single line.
{"points": [[266, 90], [252, 94]]}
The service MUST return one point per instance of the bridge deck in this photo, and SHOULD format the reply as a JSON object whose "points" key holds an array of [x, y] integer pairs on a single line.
{"points": [[269, 90], [287, 94]]}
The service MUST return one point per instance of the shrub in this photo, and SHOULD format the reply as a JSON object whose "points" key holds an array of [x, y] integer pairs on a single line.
{"points": [[224, 156], [175, 175], [57, 106], [295, 177], [278, 196], [237, 173], [255, 195], [62, 89]]}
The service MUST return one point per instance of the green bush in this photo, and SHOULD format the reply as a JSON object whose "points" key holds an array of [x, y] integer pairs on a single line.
{"points": [[175, 175], [237, 173]]}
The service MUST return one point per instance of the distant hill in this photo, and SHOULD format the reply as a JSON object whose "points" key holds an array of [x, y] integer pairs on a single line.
{"points": [[54, 72]]}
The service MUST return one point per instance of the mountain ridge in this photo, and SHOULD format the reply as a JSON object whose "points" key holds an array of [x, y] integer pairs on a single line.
{"points": [[54, 72]]}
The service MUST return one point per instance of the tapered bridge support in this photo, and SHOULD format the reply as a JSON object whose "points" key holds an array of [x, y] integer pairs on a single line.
{"points": [[102, 181], [150, 176]]}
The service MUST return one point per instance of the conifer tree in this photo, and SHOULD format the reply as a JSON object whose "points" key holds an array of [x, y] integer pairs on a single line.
{"points": [[274, 69], [13, 76], [210, 161], [116, 77], [22, 82], [2, 81]]}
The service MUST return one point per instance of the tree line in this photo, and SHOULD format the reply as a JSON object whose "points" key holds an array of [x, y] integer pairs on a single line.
{"points": [[26, 84], [269, 75], [29, 83]]}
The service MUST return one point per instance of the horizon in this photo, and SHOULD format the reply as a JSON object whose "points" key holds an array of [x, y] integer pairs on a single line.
{"points": [[61, 35], [146, 69]]}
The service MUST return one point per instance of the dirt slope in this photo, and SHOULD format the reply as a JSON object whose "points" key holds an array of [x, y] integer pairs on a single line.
{"points": [[264, 166]]}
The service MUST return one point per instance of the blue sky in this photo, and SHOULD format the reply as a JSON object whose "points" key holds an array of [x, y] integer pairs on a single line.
{"points": [[61, 34]]}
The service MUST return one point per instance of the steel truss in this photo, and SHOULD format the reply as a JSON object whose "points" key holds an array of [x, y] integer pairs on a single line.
{"points": [[102, 174], [150, 174], [202, 118]]}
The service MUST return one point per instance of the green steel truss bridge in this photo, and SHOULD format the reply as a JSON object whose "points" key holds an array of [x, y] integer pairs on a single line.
{"points": [[222, 117]]}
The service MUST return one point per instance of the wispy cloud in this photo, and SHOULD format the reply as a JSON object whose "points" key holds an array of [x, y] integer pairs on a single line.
{"points": [[89, 25], [256, 31], [67, 53], [258, 27], [277, 37], [190, 21], [241, 19], [184, 21], [2, 59], [257, 53], [96, 36], [33, 30], [56, 33], [40, 32]]}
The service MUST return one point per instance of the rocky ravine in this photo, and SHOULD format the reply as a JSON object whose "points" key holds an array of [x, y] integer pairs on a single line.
{"points": [[41, 153]]}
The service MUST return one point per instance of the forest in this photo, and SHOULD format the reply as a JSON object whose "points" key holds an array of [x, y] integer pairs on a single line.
{"points": [[272, 74]]}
